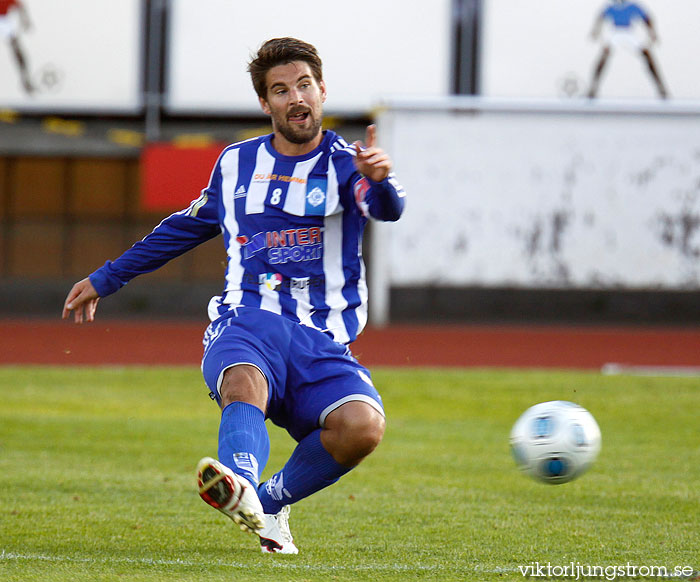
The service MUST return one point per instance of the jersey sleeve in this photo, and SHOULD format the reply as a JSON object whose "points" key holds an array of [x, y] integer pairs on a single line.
{"points": [[640, 12], [383, 200], [175, 235]]}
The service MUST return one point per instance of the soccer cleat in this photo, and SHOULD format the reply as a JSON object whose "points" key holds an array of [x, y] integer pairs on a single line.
{"points": [[231, 494], [275, 537]]}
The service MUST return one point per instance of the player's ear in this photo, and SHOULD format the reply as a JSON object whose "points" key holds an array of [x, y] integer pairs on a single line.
{"points": [[264, 106], [324, 94]]}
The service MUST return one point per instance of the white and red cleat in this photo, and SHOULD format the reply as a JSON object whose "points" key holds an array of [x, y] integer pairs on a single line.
{"points": [[231, 494]]}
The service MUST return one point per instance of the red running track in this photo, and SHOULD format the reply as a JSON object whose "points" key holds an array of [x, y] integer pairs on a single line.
{"points": [[153, 342]]}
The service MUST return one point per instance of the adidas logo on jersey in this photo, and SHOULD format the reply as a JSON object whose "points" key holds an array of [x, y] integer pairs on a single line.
{"points": [[240, 193]]}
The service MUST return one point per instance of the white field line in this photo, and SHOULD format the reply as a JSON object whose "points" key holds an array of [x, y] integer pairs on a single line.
{"points": [[614, 369], [282, 565]]}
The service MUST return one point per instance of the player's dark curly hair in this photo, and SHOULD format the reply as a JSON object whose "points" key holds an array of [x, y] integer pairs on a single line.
{"points": [[280, 51]]}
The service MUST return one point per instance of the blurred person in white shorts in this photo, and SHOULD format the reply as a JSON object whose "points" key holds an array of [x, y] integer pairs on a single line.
{"points": [[623, 15]]}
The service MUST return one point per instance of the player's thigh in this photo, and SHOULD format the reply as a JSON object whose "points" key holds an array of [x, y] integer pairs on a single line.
{"points": [[323, 376], [251, 339]]}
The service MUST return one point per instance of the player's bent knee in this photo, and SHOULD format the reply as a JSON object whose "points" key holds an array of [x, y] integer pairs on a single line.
{"points": [[352, 432], [364, 435]]}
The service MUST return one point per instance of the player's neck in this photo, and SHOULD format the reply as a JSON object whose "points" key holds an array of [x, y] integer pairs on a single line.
{"points": [[287, 148]]}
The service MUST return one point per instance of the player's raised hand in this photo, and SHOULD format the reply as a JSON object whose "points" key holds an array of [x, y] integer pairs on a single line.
{"points": [[372, 161], [82, 301]]}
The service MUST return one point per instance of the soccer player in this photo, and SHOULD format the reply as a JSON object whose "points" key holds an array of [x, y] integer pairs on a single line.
{"points": [[623, 14], [291, 207], [9, 31]]}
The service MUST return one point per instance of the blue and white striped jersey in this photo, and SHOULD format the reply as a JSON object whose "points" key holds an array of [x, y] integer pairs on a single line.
{"points": [[292, 227]]}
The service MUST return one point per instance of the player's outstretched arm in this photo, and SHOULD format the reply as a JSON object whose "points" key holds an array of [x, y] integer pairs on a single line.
{"points": [[653, 37], [82, 301], [24, 16], [597, 26], [372, 161]]}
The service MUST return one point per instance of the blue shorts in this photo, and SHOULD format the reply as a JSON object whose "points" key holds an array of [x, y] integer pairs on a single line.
{"points": [[308, 374]]}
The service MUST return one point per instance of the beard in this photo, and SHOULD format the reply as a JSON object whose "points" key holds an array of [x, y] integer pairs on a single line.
{"points": [[298, 135]]}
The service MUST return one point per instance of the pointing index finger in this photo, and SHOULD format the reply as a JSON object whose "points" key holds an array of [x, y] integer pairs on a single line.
{"points": [[371, 136]]}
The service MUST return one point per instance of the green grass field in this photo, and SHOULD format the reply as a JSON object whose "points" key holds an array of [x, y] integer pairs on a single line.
{"points": [[97, 481]]}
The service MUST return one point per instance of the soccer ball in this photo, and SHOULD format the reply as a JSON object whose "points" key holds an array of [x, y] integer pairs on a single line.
{"points": [[555, 442]]}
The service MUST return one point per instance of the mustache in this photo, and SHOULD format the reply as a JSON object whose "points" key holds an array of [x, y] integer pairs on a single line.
{"points": [[297, 111]]}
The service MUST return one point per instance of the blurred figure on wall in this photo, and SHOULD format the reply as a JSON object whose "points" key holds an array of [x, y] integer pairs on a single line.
{"points": [[622, 16], [13, 19]]}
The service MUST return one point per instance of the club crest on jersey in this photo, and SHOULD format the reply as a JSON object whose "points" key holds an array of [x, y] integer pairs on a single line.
{"points": [[316, 197]]}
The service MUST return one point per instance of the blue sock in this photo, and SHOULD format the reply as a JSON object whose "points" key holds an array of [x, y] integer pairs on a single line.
{"points": [[309, 469], [244, 445]]}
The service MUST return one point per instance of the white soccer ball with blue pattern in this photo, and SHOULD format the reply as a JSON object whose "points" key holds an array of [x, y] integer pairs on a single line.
{"points": [[555, 442]]}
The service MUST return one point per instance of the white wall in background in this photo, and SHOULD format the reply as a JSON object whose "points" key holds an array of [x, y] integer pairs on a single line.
{"points": [[369, 49], [531, 197]]}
